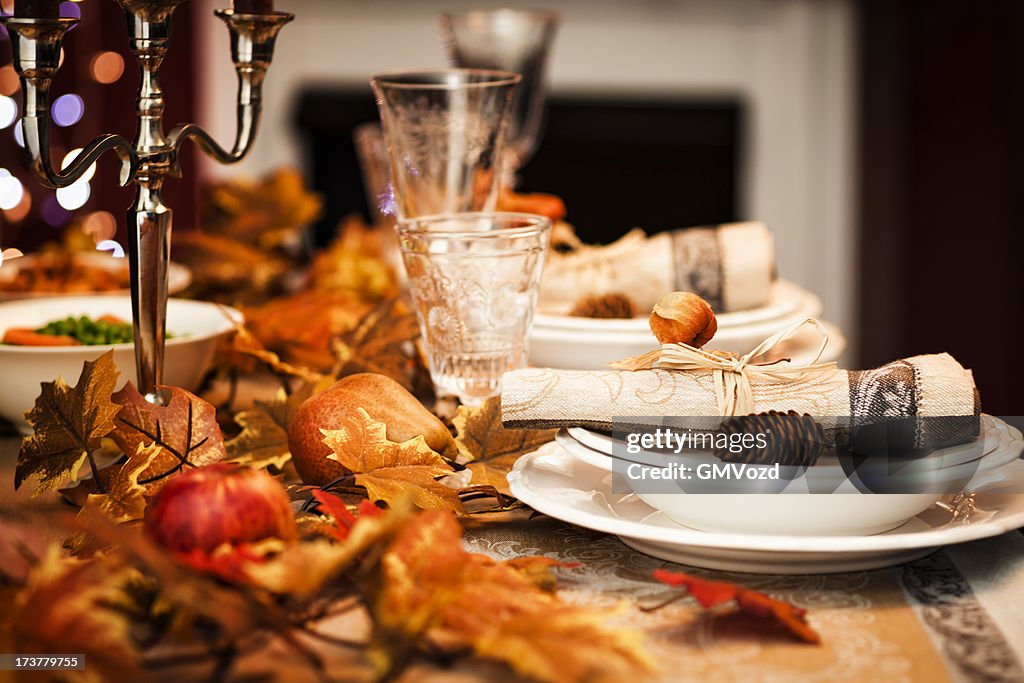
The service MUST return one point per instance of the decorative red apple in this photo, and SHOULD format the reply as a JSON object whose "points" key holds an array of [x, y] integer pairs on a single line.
{"points": [[206, 507]]}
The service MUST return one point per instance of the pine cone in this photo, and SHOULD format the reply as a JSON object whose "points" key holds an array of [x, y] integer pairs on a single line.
{"points": [[793, 440], [611, 305]]}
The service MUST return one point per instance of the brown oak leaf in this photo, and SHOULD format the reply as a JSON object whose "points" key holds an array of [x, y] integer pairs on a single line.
{"points": [[68, 424], [428, 589], [185, 428], [711, 594], [490, 448], [388, 470]]}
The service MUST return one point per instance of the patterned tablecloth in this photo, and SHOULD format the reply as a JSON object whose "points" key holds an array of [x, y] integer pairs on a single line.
{"points": [[953, 616]]}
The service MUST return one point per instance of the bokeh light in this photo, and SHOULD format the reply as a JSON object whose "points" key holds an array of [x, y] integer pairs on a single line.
{"points": [[75, 195], [70, 10], [19, 133], [18, 213], [70, 157], [54, 214], [9, 83], [11, 191], [8, 111], [107, 67], [115, 249], [68, 109], [100, 225]]}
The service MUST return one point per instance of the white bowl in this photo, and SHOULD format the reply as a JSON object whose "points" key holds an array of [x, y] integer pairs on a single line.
{"points": [[196, 326], [846, 512]]}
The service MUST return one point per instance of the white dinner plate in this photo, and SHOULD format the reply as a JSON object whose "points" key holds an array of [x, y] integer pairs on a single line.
{"points": [[786, 299], [555, 483]]}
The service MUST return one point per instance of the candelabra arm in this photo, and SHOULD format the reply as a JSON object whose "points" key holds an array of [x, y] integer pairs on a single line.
{"points": [[36, 49], [252, 49], [36, 130]]}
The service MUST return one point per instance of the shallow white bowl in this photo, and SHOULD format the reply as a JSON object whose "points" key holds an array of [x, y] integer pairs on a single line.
{"points": [[848, 513], [196, 326]]}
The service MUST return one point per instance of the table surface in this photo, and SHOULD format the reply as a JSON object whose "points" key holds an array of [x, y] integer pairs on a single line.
{"points": [[953, 616]]}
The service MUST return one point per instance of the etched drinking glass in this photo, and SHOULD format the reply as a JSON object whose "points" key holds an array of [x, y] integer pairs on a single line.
{"points": [[474, 279], [445, 131], [516, 40]]}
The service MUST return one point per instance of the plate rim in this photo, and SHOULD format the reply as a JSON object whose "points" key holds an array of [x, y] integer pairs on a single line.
{"points": [[680, 535]]}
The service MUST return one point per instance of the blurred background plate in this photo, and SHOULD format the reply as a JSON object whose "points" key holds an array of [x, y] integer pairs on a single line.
{"points": [[58, 274]]}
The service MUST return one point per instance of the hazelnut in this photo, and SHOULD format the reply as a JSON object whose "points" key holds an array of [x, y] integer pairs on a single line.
{"points": [[613, 305], [685, 318]]}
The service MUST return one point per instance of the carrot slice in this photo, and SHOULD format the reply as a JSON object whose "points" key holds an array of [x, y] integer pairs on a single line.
{"points": [[112, 319], [21, 336]]}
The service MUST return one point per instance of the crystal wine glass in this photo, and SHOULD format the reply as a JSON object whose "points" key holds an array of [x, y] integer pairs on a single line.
{"points": [[516, 40]]}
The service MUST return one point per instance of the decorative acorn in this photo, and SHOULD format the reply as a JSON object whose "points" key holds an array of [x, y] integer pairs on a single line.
{"points": [[683, 317], [612, 305], [794, 440]]}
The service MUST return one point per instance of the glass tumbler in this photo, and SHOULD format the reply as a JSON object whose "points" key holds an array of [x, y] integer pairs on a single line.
{"points": [[445, 131], [474, 279]]}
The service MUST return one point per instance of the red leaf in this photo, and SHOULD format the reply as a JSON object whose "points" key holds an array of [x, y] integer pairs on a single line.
{"points": [[713, 593], [344, 520]]}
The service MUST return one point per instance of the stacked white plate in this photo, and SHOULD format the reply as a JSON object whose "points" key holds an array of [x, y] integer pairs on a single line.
{"points": [[575, 343], [574, 480]]}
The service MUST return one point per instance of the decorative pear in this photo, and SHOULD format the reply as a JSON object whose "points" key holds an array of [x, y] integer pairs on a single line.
{"points": [[383, 398]]}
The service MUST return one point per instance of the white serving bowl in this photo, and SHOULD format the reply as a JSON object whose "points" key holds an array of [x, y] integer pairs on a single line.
{"points": [[196, 327], [848, 512]]}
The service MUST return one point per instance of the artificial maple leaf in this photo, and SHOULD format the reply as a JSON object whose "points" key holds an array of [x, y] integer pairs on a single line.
{"points": [[353, 262], [388, 470], [427, 588], [263, 441], [343, 519], [711, 594], [307, 566], [324, 314], [383, 342], [244, 352], [69, 605], [227, 270], [125, 498], [490, 448], [68, 424], [185, 428]]}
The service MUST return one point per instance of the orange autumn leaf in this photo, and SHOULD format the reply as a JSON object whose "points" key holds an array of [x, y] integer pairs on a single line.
{"points": [[427, 589], [342, 518], [390, 471], [490, 449], [185, 429], [711, 594]]}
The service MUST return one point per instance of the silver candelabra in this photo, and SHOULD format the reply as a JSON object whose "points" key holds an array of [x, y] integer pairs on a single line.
{"points": [[154, 154]]}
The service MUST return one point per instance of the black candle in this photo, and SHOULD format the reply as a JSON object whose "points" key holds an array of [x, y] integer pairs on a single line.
{"points": [[37, 9], [253, 6]]}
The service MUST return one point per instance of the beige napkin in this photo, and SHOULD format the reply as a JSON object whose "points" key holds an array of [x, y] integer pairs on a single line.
{"points": [[933, 386], [732, 266]]}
